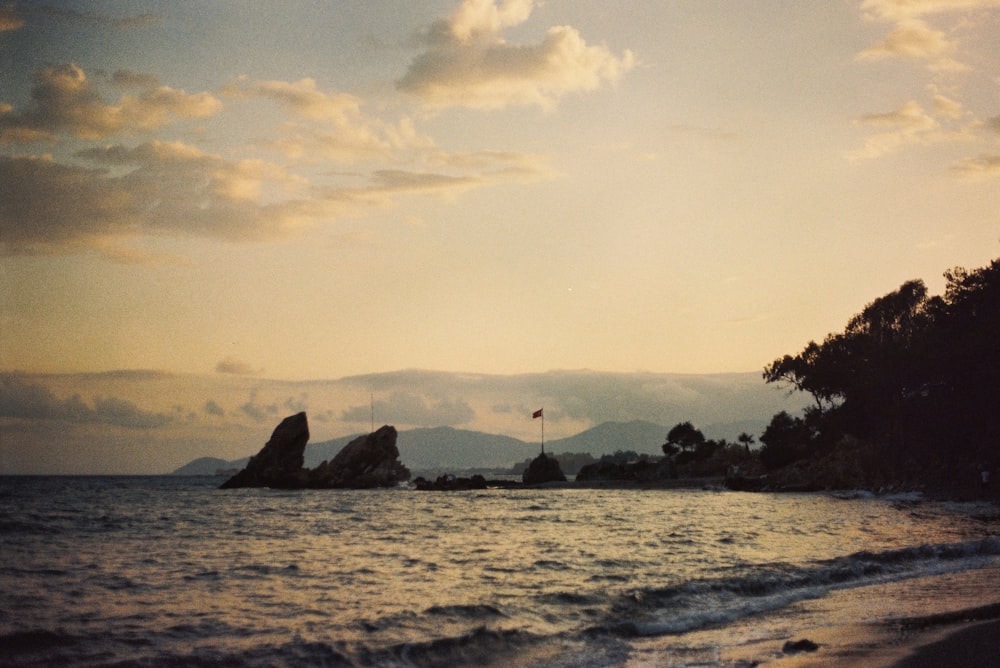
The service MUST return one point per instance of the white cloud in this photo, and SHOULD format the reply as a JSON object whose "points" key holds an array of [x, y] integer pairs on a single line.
{"points": [[339, 129], [912, 36], [467, 62], [910, 39]]}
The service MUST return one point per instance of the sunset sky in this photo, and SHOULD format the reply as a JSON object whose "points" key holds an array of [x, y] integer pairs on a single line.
{"points": [[309, 190]]}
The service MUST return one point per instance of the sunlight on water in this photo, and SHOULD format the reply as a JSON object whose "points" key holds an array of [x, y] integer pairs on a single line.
{"points": [[177, 568]]}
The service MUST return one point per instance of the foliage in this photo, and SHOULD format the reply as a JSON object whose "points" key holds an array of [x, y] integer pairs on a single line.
{"points": [[683, 437], [915, 373]]}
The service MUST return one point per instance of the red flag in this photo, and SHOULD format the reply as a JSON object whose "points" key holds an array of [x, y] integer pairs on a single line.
{"points": [[537, 414]]}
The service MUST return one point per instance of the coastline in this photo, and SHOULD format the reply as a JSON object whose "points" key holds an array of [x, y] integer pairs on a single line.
{"points": [[860, 635], [971, 644]]}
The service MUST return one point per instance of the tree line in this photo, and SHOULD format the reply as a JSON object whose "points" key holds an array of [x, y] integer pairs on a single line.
{"points": [[913, 378]]}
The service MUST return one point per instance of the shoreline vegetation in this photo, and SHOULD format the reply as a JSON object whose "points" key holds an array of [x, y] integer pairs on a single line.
{"points": [[904, 400]]}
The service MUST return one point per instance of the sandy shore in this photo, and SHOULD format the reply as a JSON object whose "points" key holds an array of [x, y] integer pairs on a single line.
{"points": [[971, 645], [961, 639]]}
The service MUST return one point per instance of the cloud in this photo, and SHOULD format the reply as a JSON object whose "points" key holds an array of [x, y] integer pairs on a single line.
{"points": [[909, 124], [134, 21], [259, 412], [896, 10], [340, 129], [467, 62], [171, 188], [411, 409], [985, 166], [64, 100], [912, 36], [235, 366], [105, 197], [31, 401], [124, 78], [912, 39], [213, 408], [9, 18]]}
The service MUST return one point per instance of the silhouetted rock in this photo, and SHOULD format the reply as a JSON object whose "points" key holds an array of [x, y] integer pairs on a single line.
{"points": [[449, 483], [367, 461], [804, 645], [279, 463], [543, 469], [640, 471]]}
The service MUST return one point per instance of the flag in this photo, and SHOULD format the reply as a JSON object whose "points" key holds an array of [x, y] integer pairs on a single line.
{"points": [[537, 414]]}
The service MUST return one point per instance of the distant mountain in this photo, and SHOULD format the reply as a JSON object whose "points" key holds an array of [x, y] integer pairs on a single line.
{"points": [[446, 448], [205, 466], [609, 437]]}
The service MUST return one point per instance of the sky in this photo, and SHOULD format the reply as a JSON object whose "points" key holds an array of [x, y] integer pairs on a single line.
{"points": [[300, 191]]}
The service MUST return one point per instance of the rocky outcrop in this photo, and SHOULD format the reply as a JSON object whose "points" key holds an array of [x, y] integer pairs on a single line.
{"points": [[449, 483], [367, 461], [279, 463], [543, 469], [640, 471]]}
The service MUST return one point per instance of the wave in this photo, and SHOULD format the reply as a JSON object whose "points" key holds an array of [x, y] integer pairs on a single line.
{"points": [[707, 602]]}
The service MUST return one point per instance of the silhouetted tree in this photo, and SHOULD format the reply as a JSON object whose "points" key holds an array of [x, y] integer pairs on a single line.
{"points": [[786, 439], [909, 372], [684, 436]]}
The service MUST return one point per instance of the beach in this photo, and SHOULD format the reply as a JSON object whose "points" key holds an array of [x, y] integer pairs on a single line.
{"points": [[863, 635]]}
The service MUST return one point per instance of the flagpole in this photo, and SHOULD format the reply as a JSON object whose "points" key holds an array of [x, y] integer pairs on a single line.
{"points": [[540, 413]]}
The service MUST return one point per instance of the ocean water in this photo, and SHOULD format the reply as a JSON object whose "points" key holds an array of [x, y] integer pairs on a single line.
{"points": [[171, 571]]}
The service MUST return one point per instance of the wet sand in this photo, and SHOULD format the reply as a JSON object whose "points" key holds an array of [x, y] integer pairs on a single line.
{"points": [[961, 639], [970, 646]]}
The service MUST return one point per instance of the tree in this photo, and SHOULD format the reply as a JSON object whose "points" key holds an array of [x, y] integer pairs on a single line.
{"points": [[683, 436], [785, 440], [910, 371], [746, 439]]}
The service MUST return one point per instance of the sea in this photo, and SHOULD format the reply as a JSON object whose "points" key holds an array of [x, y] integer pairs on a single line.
{"points": [[171, 571]]}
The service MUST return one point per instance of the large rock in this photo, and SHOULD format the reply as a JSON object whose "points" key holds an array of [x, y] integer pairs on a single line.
{"points": [[367, 461], [279, 463], [543, 469]]}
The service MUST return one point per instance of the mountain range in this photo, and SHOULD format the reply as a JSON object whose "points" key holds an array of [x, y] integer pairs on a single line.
{"points": [[450, 449]]}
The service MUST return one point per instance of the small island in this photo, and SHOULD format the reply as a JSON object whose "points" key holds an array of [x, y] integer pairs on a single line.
{"points": [[366, 462]]}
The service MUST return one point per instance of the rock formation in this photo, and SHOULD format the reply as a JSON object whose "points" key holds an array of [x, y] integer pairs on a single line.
{"points": [[543, 469], [449, 483], [279, 463], [367, 461]]}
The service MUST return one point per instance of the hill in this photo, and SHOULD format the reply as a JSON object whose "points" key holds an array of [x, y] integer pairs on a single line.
{"points": [[608, 437], [455, 449], [206, 466]]}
